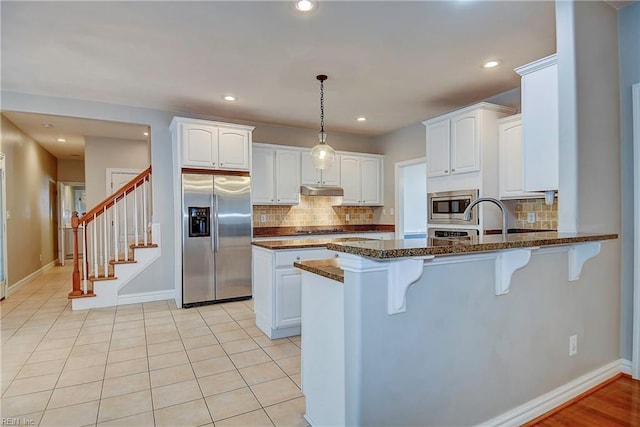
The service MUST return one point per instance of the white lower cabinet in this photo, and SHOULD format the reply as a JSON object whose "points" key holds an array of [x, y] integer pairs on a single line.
{"points": [[276, 287], [287, 292]]}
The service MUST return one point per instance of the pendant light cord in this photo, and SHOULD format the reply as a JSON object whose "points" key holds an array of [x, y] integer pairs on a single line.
{"points": [[321, 105]]}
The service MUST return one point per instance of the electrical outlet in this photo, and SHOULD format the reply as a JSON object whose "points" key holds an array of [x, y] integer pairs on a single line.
{"points": [[263, 218], [573, 345], [384, 211], [40, 257], [531, 217], [347, 217], [8, 215], [391, 211]]}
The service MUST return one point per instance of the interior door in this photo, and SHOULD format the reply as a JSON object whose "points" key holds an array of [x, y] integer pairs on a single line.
{"points": [[117, 179]]}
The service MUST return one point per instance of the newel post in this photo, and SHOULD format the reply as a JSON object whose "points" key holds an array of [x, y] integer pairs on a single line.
{"points": [[75, 222]]}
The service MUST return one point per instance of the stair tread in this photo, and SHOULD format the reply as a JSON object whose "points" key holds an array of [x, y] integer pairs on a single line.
{"points": [[122, 261], [148, 245], [87, 295]]}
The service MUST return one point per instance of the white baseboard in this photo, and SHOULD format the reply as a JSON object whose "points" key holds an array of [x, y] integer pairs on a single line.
{"points": [[627, 367], [13, 288], [548, 401], [146, 297]]}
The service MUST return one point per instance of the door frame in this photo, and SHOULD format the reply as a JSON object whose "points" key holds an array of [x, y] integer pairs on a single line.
{"points": [[61, 230], [635, 113], [399, 202], [4, 286]]}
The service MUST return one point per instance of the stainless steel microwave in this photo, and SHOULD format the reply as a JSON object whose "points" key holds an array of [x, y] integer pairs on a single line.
{"points": [[447, 207]]}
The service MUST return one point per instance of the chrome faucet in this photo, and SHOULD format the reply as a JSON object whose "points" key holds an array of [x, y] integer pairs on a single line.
{"points": [[467, 212]]}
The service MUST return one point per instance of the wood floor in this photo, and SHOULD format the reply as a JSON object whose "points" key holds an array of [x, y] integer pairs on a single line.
{"points": [[616, 404]]}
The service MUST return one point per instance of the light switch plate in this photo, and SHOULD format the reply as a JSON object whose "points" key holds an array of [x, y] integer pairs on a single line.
{"points": [[531, 217]]}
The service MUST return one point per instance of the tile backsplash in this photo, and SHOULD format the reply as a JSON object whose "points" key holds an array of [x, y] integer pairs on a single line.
{"points": [[312, 210], [546, 216]]}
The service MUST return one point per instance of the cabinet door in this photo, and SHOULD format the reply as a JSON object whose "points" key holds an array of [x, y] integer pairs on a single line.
{"points": [[350, 179], [330, 177], [262, 176], [309, 174], [465, 143], [233, 151], [371, 185], [288, 297], [438, 139], [540, 129], [199, 146], [510, 143], [287, 176]]}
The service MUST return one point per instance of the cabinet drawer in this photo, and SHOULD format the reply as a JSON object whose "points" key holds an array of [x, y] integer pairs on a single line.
{"points": [[287, 258]]}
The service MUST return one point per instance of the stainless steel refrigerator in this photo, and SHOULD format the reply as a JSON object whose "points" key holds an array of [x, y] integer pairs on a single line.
{"points": [[216, 238]]}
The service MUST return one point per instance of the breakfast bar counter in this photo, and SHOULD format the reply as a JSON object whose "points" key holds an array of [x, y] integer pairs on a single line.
{"points": [[386, 249], [415, 328]]}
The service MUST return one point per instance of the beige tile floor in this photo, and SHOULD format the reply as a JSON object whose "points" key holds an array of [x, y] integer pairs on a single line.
{"points": [[141, 364]]}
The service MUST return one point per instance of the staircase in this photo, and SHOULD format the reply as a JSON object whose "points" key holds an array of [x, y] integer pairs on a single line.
{"points": [[117, 244]]}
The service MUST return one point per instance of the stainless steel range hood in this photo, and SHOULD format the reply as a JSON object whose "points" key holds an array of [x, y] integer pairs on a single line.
{"points": [[307, 190]]}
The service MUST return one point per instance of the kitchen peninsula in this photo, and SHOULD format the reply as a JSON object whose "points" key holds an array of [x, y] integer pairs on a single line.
{"points": [[449, 331]]}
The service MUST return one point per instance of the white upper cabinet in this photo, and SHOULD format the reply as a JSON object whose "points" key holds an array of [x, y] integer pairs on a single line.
{"points": [[454, 140], [540, 124], [262, 176], [465, 143], [287, 177], [233, 149], [510, 159], [199, 146], [438, 151], [361, 179], [275, 176], [316, 177], [212, 145]]}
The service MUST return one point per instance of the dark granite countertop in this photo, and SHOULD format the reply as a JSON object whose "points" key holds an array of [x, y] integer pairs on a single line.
{"points": [[304, 243], [385, 249], [329, 268], [321, 229]]}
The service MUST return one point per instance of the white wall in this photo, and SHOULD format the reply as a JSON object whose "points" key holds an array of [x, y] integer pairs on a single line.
{"points": [[414, 205], [103, 153]]}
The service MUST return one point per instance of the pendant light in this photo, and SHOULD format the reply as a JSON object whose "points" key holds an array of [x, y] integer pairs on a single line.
{"points": [[322, 154]]}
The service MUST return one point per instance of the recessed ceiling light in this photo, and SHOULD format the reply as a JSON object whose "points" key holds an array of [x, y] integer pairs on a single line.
{"points": [[146, 134], [47, 125], [61, 140], [305, 5], [492, 63], [361, 119], [230, 98]]}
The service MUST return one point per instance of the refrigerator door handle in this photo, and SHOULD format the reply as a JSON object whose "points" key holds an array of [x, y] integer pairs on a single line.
{"points": [[216, 239]]}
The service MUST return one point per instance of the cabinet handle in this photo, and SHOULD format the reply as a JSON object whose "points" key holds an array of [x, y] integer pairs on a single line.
{"points": [[453, 170], [213, 163], [324, 182], [317, 182], [337, 255], [297, 258], [221, 164], [446, 171], [272, 200]]}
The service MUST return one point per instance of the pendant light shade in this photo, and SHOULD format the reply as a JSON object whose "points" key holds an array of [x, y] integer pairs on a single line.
{"points": [[322, 154]]}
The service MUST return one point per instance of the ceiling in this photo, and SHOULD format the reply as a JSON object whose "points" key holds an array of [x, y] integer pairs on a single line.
{"points": [[397, 63], [73, 130]]}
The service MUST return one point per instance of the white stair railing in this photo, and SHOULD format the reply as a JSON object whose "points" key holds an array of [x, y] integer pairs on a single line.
{"points": [[105, 233]]}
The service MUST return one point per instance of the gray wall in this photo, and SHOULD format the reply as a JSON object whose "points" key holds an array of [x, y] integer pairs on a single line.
{"points": [[629, 48], [406, 143], [461, 355], [109, 153]]}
